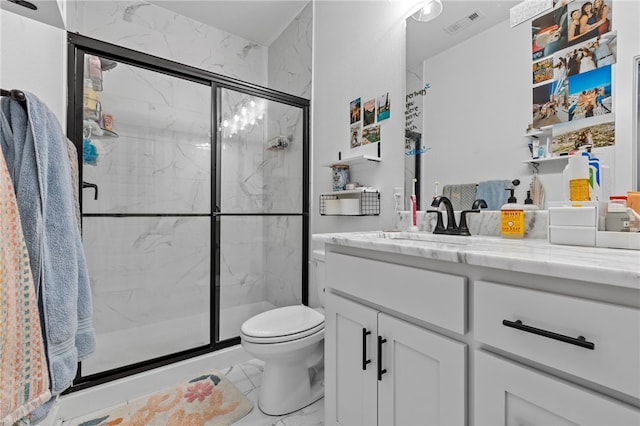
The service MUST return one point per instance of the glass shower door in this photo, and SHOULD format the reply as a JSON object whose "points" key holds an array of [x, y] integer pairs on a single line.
{"points": [[146, 212], [261, 220]]}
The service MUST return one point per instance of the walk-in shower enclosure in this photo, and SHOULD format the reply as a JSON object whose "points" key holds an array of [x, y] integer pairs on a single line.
{"points": [[194, 204]]}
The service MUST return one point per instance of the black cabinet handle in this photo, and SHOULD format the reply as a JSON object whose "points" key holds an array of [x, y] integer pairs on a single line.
{"points": [[380, 370], [578, 341], [365, 361]]}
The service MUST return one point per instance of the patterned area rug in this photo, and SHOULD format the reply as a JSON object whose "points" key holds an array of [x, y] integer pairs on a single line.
{"points": [[210, 399]]}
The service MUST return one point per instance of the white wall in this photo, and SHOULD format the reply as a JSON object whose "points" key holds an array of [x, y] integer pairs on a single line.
{"points": [[33, 58], [479, 104], [358, 52]]}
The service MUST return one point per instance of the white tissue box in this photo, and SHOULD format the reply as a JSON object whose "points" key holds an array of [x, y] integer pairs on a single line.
{"points": [[332, 206], [573, 216], [624, 240], [573, 235], [350, 206]]}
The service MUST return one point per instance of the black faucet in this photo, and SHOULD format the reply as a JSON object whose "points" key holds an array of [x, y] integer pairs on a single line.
{"points": [[439, 229], [475, 208], [452, 228], [479, 204]]}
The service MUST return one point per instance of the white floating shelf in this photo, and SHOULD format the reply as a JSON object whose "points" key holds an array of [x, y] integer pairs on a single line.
{"points": [[352, 191], [545, 160], [546, 130], [360, 159]]}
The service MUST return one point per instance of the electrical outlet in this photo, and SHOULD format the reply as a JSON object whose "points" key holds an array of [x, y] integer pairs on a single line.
{"points": [[398, 198]]}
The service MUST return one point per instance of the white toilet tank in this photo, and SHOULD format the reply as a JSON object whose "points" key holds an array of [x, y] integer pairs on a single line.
{"points": [[316, 279]]}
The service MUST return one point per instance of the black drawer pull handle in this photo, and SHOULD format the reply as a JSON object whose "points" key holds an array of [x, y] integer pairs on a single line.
{"points": [[380, 370], [578, 341], [365, 361]]}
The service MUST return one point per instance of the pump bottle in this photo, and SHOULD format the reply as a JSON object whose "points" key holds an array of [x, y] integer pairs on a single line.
{"points": [[512, 218]]}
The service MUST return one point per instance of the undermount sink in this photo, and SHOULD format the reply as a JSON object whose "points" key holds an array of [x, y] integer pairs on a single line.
{"points": [[428, 237]]}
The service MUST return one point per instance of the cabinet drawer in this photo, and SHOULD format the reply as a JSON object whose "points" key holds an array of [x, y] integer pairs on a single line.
{"points": [[433, 297], [613, 330], [507, 393]]}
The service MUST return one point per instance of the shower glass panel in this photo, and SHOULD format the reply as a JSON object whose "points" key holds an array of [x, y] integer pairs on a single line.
{"points": [[146, 207], [260, 267], [260, 207]]}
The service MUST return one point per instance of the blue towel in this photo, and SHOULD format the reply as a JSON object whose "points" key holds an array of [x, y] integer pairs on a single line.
{"points": [[37, 157], [494, 193]]}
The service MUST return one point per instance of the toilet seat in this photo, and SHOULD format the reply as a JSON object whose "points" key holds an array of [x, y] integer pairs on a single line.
{"points": [[282, 325]]}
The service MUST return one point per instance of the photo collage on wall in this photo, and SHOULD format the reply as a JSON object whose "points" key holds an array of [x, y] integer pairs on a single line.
{"points": [[573, 50], [365, 119]]}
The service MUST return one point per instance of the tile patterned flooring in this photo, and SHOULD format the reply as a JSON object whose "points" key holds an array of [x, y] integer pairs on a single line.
{"points": [[247, 377]]}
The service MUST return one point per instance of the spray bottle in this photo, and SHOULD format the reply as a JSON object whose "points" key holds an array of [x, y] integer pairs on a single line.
{"points": [[576, 178]]}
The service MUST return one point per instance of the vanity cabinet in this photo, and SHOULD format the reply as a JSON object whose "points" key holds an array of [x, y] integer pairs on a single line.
{"points": [[380, 369], [525, 348], [387, 371]]}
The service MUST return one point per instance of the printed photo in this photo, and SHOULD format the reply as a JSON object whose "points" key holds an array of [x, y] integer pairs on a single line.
{"points": [[356, 140], [384, 107], [543, 70], [369, 112], [596, 132], [355, 111], [549, 33], [588, 20], [590, 94], [547, 99], [371, 134], [584, 57]]}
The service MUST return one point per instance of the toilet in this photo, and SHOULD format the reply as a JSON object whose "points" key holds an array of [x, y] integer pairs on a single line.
{"points": [[290, 341]]}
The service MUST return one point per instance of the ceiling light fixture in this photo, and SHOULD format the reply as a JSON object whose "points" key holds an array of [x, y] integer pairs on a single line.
{"points": [[429, 11]]}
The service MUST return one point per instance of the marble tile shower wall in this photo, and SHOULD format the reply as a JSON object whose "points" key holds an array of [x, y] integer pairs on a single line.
{"points": [[290, 56], [289, 71], [148, 28]]}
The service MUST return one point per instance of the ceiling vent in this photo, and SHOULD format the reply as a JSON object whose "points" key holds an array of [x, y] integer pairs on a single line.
{"points": [[471, 18]]}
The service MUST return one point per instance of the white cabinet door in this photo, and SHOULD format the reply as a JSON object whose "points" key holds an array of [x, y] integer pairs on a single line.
{"points": [[507, 393], [425, 378], [350, 381]]}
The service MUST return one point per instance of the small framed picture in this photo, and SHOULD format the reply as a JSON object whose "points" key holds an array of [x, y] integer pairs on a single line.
{"points": [[384, 107], [355, 109], [356, 137]]}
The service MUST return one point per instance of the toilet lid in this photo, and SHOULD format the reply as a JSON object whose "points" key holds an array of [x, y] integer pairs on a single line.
{"points": [[293, 322]]}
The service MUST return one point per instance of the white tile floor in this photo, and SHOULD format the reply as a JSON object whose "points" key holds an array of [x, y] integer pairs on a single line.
{"points": [[247, 377]]}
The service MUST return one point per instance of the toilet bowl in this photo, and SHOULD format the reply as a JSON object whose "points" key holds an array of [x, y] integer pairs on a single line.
{"points": [[290, 342]]}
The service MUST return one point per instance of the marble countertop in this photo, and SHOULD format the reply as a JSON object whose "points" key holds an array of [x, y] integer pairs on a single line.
{"points": [[616, 267]]}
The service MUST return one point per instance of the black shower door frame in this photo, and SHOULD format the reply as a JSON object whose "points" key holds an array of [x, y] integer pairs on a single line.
{"points": [[78, 47]]}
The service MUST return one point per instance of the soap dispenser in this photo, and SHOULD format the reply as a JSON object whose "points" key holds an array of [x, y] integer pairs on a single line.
{"points": [[512, 218], [528, 202]]}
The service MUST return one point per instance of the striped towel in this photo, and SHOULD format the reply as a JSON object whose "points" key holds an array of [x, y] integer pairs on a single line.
{"points": [[461, 196], [24, 379]]}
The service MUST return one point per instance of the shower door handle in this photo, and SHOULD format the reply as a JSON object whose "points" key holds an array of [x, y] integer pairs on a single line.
{"points": [[365, 361]]}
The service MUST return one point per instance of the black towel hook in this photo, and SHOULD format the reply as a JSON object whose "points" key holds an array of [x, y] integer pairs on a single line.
{"points": [[16, 95]]}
